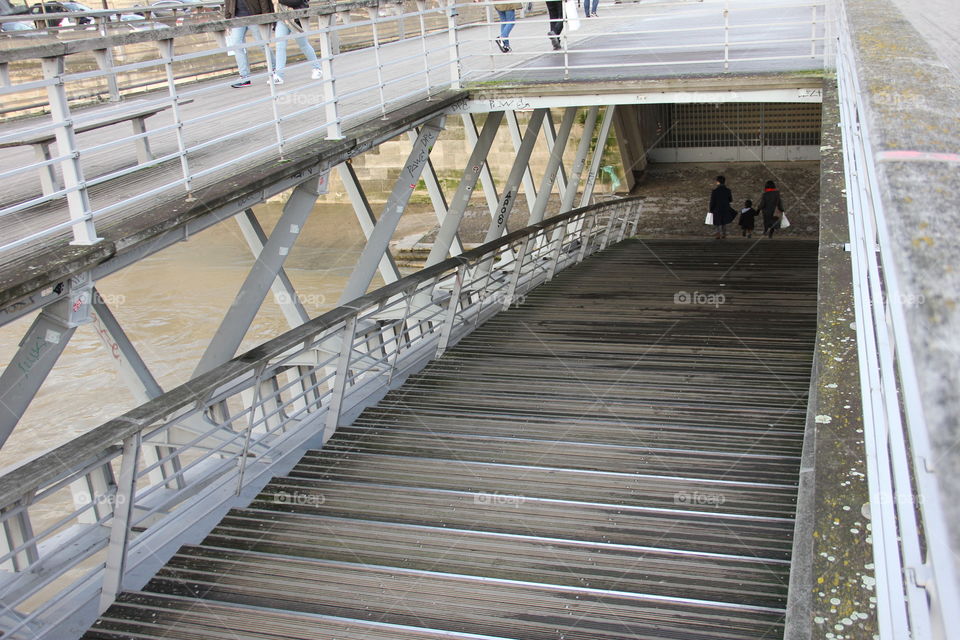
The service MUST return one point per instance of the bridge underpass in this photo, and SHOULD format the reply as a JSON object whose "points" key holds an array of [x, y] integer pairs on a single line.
{"points": [[616, 457]]}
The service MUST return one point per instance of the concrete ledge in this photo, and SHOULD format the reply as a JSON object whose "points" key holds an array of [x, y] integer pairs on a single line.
{"points": [[831, 567], [910, 115]]}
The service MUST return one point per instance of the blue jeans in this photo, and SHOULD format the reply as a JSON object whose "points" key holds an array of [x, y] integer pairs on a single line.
{"points": [[590, 7], [302, 42], [507, 22], [235, 39]]}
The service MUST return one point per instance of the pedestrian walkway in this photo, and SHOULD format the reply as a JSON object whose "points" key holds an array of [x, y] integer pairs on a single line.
{"points": [[616, 458]]}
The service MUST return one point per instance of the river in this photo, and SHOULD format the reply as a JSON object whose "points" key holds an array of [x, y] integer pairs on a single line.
{"points": [[170, 305]]}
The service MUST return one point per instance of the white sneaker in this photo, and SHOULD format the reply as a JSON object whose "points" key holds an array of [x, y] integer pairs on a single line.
{"points": [[275, 79], [316, 74]]}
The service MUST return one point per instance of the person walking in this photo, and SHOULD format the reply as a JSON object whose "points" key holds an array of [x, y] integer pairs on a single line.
{"points": [[590, 8], [720, 199], [747, 216], [770, 204], [507, 12], [240, 9], [290, 25], [555, 11]]}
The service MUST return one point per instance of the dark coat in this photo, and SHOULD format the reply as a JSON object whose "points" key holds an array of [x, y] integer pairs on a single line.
{"points": [[770, 204], [747, 216], [720, 199], [256, 7]]}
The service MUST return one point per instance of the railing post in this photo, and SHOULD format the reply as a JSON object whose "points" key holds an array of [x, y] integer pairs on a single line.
{"points": [[451, 317], [636, 220], [607, 231], [421, 10], [340, 377], [400, 330], [559, 236], [78, 202], [372, 13], [17, 532], [518, 268], [813, 32], [329, 80], [726, 35], [166, 54], [452, 13], [104, 59], [585, 237], [119, 543]]}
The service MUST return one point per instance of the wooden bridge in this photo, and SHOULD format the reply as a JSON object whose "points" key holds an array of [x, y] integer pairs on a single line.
{"points": [[615, 458]]}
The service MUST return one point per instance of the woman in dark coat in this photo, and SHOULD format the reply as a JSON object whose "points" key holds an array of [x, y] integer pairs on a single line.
{"points": [[720, 199], [770, 204]]}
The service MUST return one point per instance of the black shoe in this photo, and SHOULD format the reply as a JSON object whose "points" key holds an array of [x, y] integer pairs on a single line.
{"points": [[555, 41], [503, 48], [242, 83], [507, 48]]}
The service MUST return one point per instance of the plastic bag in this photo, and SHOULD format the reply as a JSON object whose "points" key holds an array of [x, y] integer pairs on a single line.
{"points": [[573, 16], [784, 223], [708, 219]]}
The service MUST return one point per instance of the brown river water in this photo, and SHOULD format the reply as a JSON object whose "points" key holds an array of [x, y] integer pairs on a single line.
{"points": [[170, 305]]}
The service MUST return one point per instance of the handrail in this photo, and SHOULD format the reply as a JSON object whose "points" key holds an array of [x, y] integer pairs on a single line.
{"points": [[916, 584], [166, 466]]}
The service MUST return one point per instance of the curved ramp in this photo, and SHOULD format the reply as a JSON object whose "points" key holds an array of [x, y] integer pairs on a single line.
{"points": [[616, 458]]}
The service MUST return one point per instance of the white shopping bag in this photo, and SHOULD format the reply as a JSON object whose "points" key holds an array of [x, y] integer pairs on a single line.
{"points": [[573, 16], [708, 219], [784, 223]]}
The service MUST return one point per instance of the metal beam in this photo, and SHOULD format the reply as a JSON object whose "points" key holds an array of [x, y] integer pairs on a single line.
{"points": [[388, 268], [486, 178], [283, 290], [38, 353], [244, 309], [133, 370], [475, 168], [379, 240], [550, 135], [520, 166], [799, 90], [597, 155], [579, 160], [437, 199], [554, 165], [528, 187]]}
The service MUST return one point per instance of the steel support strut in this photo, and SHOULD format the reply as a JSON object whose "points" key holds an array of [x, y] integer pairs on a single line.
{"points": [[597, 155], [379, 240], [244, 309], [475, 168], [551, 136], [283, 291], [437, 199], [554, 164], [579, 160], [519, 169], [361, 207], [528, 187], [486, 178], [38, 353]]}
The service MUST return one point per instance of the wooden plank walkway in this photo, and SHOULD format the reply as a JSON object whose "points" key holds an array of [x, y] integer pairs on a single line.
{"points": [[616, 458]]}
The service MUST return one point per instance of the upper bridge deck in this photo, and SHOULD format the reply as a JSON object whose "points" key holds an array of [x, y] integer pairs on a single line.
{"points": [[218, 150]]}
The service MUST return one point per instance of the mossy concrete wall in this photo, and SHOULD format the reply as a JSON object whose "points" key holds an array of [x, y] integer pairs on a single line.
{"points": [[831, 581]]}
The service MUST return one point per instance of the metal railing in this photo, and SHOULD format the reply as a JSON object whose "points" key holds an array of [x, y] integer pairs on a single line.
{"points": [[198, 136], [916, 588], [79, 520]]}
